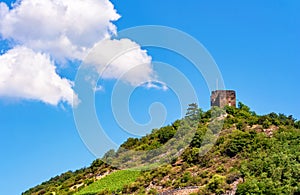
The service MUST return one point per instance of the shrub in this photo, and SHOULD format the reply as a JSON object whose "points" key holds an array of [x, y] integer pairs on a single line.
{"points": [[266, 124], [217, 183]]}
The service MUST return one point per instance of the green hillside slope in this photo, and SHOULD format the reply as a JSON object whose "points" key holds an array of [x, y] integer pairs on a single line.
{"points": [[250, 154], [112, 182]]}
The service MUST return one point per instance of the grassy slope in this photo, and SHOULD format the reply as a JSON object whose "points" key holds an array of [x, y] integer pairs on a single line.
{"points": [[113, 182]]}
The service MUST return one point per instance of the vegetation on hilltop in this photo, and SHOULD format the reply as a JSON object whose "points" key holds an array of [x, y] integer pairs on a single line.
{"points": [[252, 155]]}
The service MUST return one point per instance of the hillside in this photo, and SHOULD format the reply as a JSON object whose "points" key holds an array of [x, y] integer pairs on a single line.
{"points": [[232, 151]]}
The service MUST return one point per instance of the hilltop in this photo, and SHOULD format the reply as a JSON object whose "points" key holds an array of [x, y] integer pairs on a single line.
{"points": [[232, 151]]}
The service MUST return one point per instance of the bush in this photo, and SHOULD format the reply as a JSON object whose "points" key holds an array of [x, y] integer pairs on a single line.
{"points": [[241, 125], [237, 143], [297, 124], [216, 184], [198, 137], [153, 191], [248, 187], [165, 134], [266, 124]]}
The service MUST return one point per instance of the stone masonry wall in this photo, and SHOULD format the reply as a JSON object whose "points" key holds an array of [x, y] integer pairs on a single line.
{"points": [[222, 98]]}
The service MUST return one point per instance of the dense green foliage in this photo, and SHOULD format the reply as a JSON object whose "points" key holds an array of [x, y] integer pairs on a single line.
{"points": [[255, 154], [274, 165]]}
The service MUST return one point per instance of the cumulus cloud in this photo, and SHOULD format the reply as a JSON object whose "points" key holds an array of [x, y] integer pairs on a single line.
{"points": [[121, 59], [61, 30], [65, 29], [29, 75]]}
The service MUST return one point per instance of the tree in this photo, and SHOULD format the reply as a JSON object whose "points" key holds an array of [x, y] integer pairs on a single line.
{"points": [[165, 134], [194, 112], [297, 124], [242, 106], [198, 137], [130, 143], [108, 156], [96, 164], [230, 110]]}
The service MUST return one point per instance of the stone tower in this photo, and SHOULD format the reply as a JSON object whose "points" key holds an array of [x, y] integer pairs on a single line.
{"points": [[222, 98]]}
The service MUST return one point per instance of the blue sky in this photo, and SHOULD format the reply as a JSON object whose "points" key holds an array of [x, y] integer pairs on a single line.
{"points": [[255, 44]]}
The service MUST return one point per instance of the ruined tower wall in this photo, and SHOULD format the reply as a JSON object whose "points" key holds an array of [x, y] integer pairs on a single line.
{"points": [[222, 98]]}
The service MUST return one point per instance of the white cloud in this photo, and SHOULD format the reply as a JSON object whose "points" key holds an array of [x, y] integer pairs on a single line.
{"points": [[122, 59], [29, 75], [65, 29], [156, 85]]}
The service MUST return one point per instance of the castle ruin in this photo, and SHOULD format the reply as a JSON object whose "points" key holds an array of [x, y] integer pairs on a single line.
{"points": [[221, 98]]}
